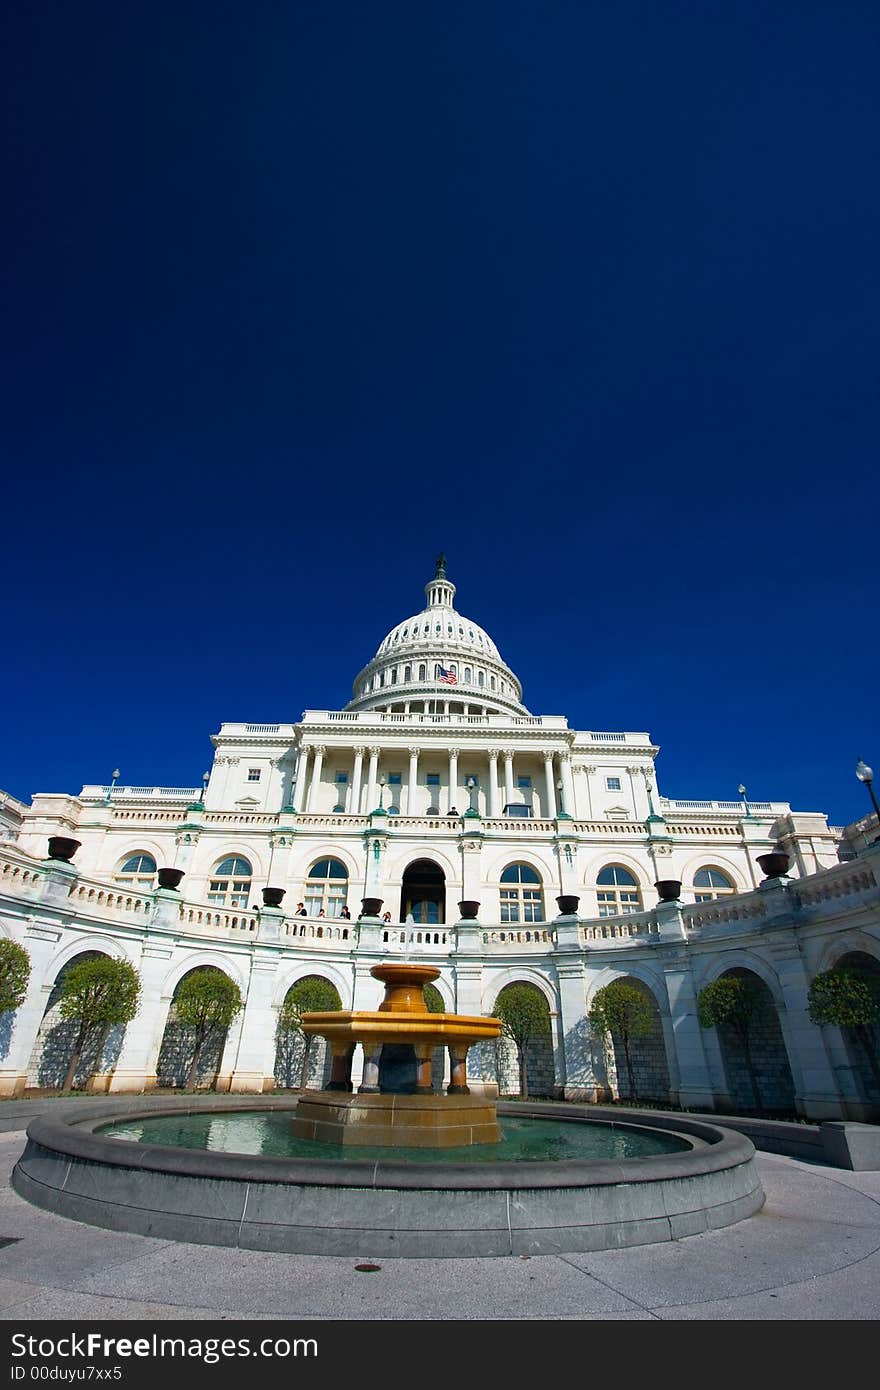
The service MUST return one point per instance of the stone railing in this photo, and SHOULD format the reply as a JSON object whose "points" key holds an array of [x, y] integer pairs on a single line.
{"points": [[735, 907], [117, 793], [213, 921], [730, 808], [92, 895], [607, 929], [17, 876], [491, 721], [517, 938], [264, 818], [407, 941], [852, 879]]}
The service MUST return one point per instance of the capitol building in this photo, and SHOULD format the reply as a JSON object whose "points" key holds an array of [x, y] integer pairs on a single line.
{"points": [[436, 817]]}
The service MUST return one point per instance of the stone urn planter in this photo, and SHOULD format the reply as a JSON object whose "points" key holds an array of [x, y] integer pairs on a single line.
{"points": [[371, 907], [668, 889], [63, 849], [469, 909], [774, 865], [272, 896], [568, 904], [170, 878]]}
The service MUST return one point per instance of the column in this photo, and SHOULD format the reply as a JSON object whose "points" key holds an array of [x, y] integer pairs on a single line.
{"points": [[508, 775], [588, 773], [255, 1056], [695, 1085], [453, 778], [494, 808], [817, 1093], [135, 1068], [41, 944], [458, 1078], [316, 777], [424, 1056], [302, 773], [578, 1071], [550, 813], [370, 1081], [412, 782], [354, 796], [567, 785], [372, 784]]}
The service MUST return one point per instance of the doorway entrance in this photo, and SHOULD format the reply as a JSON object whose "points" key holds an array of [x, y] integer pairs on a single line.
{"points": [[423, 893]]}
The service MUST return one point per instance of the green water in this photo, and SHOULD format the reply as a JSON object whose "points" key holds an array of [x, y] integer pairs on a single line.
{"points": [[267, 1133]]}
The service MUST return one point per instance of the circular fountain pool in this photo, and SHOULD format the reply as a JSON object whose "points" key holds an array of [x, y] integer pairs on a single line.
{"points": [[385, 1205], [267, 1132]]}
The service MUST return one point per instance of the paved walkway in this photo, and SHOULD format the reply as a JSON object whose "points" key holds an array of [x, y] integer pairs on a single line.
{"points": [[813, 1252]]}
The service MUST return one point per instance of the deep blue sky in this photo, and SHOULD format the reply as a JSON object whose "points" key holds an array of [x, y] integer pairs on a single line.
{"points": [[585, 295]]}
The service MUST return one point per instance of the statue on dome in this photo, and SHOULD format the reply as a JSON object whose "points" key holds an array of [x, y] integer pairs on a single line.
{"points": [[441, 566]]}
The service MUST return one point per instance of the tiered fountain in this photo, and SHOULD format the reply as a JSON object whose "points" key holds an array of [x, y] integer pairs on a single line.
{"points": [[396, 1103]]}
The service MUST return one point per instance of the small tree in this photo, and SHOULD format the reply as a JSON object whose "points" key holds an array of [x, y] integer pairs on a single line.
{"points": [[310, 996], [623, 1011], [97, 994], [207, 1001], [849, 999], [739, 1004], [433, 999], [524, 1018], [15, 971]]}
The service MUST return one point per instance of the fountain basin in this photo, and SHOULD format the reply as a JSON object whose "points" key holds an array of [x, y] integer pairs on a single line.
{"points": [[378, 1208]]}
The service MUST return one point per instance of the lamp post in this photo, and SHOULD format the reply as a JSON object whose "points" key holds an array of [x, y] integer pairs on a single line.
{"points": [[116, 775], [206, 777], [742, 791], [866, 774]]}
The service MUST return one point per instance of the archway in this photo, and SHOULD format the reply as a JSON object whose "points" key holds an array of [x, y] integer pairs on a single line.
{"points": [[423, 893], [647, 1055], [54, 1042], [526, 1043], [178, 1046], [301, 1060], [768, 1058]]}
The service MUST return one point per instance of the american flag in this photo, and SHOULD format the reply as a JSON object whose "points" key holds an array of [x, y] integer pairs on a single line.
{"points": [[447, 677]]}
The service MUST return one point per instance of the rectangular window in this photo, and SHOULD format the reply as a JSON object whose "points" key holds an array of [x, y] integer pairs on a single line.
{"points": [[342, 779], [613, 784], [433, 779], [394, 779], [524, 783], [514, 809], [253, 774]]}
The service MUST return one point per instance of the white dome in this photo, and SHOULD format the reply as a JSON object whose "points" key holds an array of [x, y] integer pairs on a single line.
{"points": [[437, 625], [438, 639]]}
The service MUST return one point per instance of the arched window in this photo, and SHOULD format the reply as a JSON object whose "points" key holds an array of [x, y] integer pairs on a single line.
{"points": [[467, 675], [230, 885], [407, 673], [711, 883], [423, 671], [326, 888], [522, 898], [137, 870], [617, 892], [481, 678]]}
